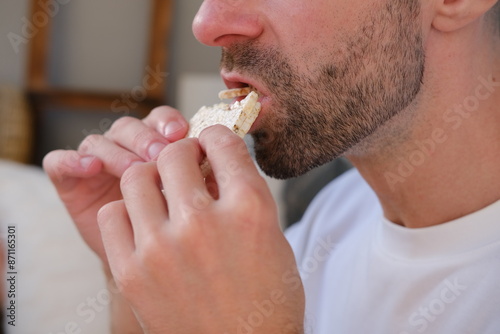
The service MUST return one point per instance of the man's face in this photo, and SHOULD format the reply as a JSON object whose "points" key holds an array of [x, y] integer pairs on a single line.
{"points": [[330, 72]]}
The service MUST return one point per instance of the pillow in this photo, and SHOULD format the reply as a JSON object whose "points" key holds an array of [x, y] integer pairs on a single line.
{"points": [[59, 283]]}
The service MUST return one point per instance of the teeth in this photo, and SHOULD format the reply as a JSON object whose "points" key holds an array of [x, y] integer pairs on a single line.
{"points": [[253, 89]]}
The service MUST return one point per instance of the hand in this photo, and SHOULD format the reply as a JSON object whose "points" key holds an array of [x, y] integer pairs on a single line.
{"points": [[89, 178], [202, 256]]}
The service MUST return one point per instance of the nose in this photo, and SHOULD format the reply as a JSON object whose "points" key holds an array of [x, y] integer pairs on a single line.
{"points": [[222, 22]]}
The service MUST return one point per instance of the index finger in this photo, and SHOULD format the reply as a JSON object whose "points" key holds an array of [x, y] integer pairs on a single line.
{"points": [[183, 183], [229, 158]]}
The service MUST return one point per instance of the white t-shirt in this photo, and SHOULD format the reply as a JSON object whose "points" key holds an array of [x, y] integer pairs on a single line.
{"points": [[365, 275]]}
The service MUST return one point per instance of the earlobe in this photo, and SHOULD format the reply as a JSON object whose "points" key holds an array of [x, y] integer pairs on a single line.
{"points": [[452, 15]]}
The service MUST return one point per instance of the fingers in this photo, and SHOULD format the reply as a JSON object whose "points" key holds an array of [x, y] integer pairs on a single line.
{"points": [[144, 200], [168, 122], [115, 158], [148, 137], [231, 162], [116, 233], [181, 176], [234, 171], [62, 165], [135, 136], [131, 140]]}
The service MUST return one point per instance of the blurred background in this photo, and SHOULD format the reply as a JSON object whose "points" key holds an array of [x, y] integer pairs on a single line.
{"points": [[83, 63]]}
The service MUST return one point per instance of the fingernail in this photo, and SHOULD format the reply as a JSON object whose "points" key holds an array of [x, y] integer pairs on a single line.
{"points": [[173, 127], [155, 149], [85, 162]]}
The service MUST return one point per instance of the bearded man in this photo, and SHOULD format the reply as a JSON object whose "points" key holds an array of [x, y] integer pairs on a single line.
{"points": [[409, 242]]}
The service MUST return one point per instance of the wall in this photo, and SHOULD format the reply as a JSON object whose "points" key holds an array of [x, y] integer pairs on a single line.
{"points": [[11, 62], [78, 40], [100, 44]]}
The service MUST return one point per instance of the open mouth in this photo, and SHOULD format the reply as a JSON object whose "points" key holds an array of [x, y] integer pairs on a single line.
{"points": [[237, 93], [238, 81], [242, 85]]}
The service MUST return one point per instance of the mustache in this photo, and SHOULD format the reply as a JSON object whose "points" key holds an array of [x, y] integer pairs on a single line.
{"points": [[266, 64], [244, 56]]}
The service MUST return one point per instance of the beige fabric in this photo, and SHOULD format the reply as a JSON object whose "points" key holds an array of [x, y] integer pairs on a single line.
{"points": [[60, 283]]}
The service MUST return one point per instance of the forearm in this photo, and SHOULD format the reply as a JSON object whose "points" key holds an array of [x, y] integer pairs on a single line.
{"points": [[123, 320]]}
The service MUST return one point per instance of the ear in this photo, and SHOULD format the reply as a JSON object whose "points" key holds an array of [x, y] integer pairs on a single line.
{"points": [[452, 15]]}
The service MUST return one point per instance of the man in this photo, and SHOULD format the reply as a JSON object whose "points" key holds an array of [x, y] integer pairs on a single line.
{"points": [[408, 90]]}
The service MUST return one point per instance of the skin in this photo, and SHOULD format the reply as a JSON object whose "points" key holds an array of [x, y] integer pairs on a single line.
{"points": [[217, 241], [319, 113]]}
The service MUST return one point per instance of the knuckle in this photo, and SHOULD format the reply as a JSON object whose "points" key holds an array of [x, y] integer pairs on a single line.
{"points": [[122, 161], [50, 159], [151, 251], [90, 142], [141, 140], [155, 253], [252, 204], [192, 235], [53, 161], [120, 123], [161, 116], [227, 142], [201, 199], [172, 151], [163, 112], [191, 215], [56, 166], [131, 175], [107, 213], [249, 197], [126, 278]]}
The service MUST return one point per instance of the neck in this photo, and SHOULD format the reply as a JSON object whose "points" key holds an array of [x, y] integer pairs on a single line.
{"points": [[444, 162]]}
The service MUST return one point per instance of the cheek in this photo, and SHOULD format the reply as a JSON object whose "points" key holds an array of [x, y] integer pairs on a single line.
{"points": [[307, 30], [303, 20]]}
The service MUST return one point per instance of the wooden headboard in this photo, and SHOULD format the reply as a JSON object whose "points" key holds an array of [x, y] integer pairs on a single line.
{"points": [[42, 95]]}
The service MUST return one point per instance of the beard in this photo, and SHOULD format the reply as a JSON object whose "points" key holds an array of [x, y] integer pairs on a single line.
{"points": [[372, 75]]}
